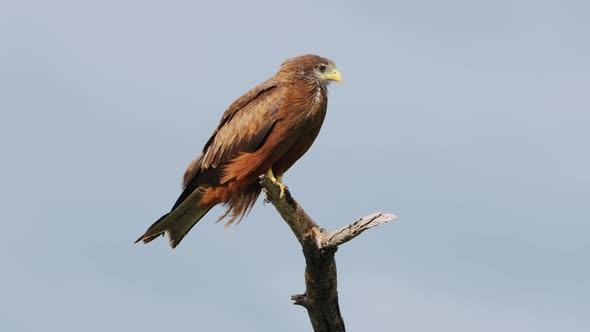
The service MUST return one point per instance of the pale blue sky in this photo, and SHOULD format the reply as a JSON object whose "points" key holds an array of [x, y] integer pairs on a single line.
{"points": [[468, 119]]}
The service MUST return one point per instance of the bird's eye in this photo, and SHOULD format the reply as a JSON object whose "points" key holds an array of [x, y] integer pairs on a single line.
{"points": [[322, 68]]}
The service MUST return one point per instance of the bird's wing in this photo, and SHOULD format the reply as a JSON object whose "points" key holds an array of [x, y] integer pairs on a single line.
{"points": [[244, 127]]}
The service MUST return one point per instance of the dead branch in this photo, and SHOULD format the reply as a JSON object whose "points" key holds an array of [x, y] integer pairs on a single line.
{"points": [[319, 247]]}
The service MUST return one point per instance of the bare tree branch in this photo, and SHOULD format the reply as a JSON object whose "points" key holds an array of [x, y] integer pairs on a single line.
{"points": [[319, 247], [351, 231]]}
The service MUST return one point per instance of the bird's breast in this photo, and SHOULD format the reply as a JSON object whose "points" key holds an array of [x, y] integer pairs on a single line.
{"points": [[317, 103]]}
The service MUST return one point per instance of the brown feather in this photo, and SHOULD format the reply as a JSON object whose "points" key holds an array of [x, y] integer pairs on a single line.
{"points": [[271, 126]]}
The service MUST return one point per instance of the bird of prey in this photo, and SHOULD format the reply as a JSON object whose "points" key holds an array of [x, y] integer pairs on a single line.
{"points": [[265, 131]]}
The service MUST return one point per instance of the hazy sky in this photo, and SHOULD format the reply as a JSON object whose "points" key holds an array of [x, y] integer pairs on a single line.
{"points": [[470, 120]]}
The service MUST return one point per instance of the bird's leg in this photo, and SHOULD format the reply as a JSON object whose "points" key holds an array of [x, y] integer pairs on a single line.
{"points": [[278, 180]]}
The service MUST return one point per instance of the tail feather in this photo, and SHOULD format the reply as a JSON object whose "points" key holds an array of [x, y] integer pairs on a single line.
{"points": [[178, 222], [154, 231]]}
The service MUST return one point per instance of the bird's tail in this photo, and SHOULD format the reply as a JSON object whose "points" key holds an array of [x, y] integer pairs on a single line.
{"points": [[178, 222]]}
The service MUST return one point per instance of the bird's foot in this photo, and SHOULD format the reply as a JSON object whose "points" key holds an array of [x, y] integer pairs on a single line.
{"points": [[278, 181], [283, 188]]}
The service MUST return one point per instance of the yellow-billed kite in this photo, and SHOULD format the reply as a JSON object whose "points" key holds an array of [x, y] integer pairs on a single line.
{"points": [[263, 132]]}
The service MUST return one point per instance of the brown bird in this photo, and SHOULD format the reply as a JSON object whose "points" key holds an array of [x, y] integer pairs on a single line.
{"points": [[265, 131]]}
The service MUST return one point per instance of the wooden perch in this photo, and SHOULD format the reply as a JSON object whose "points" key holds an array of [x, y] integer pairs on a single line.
{"points": [[319, 246]]}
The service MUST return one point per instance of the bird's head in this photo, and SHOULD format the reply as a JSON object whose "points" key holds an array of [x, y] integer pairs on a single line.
{"points": [[310, 68]]}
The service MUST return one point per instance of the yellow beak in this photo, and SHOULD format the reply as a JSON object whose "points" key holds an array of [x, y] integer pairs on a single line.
{"points": [[333, 75]]}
